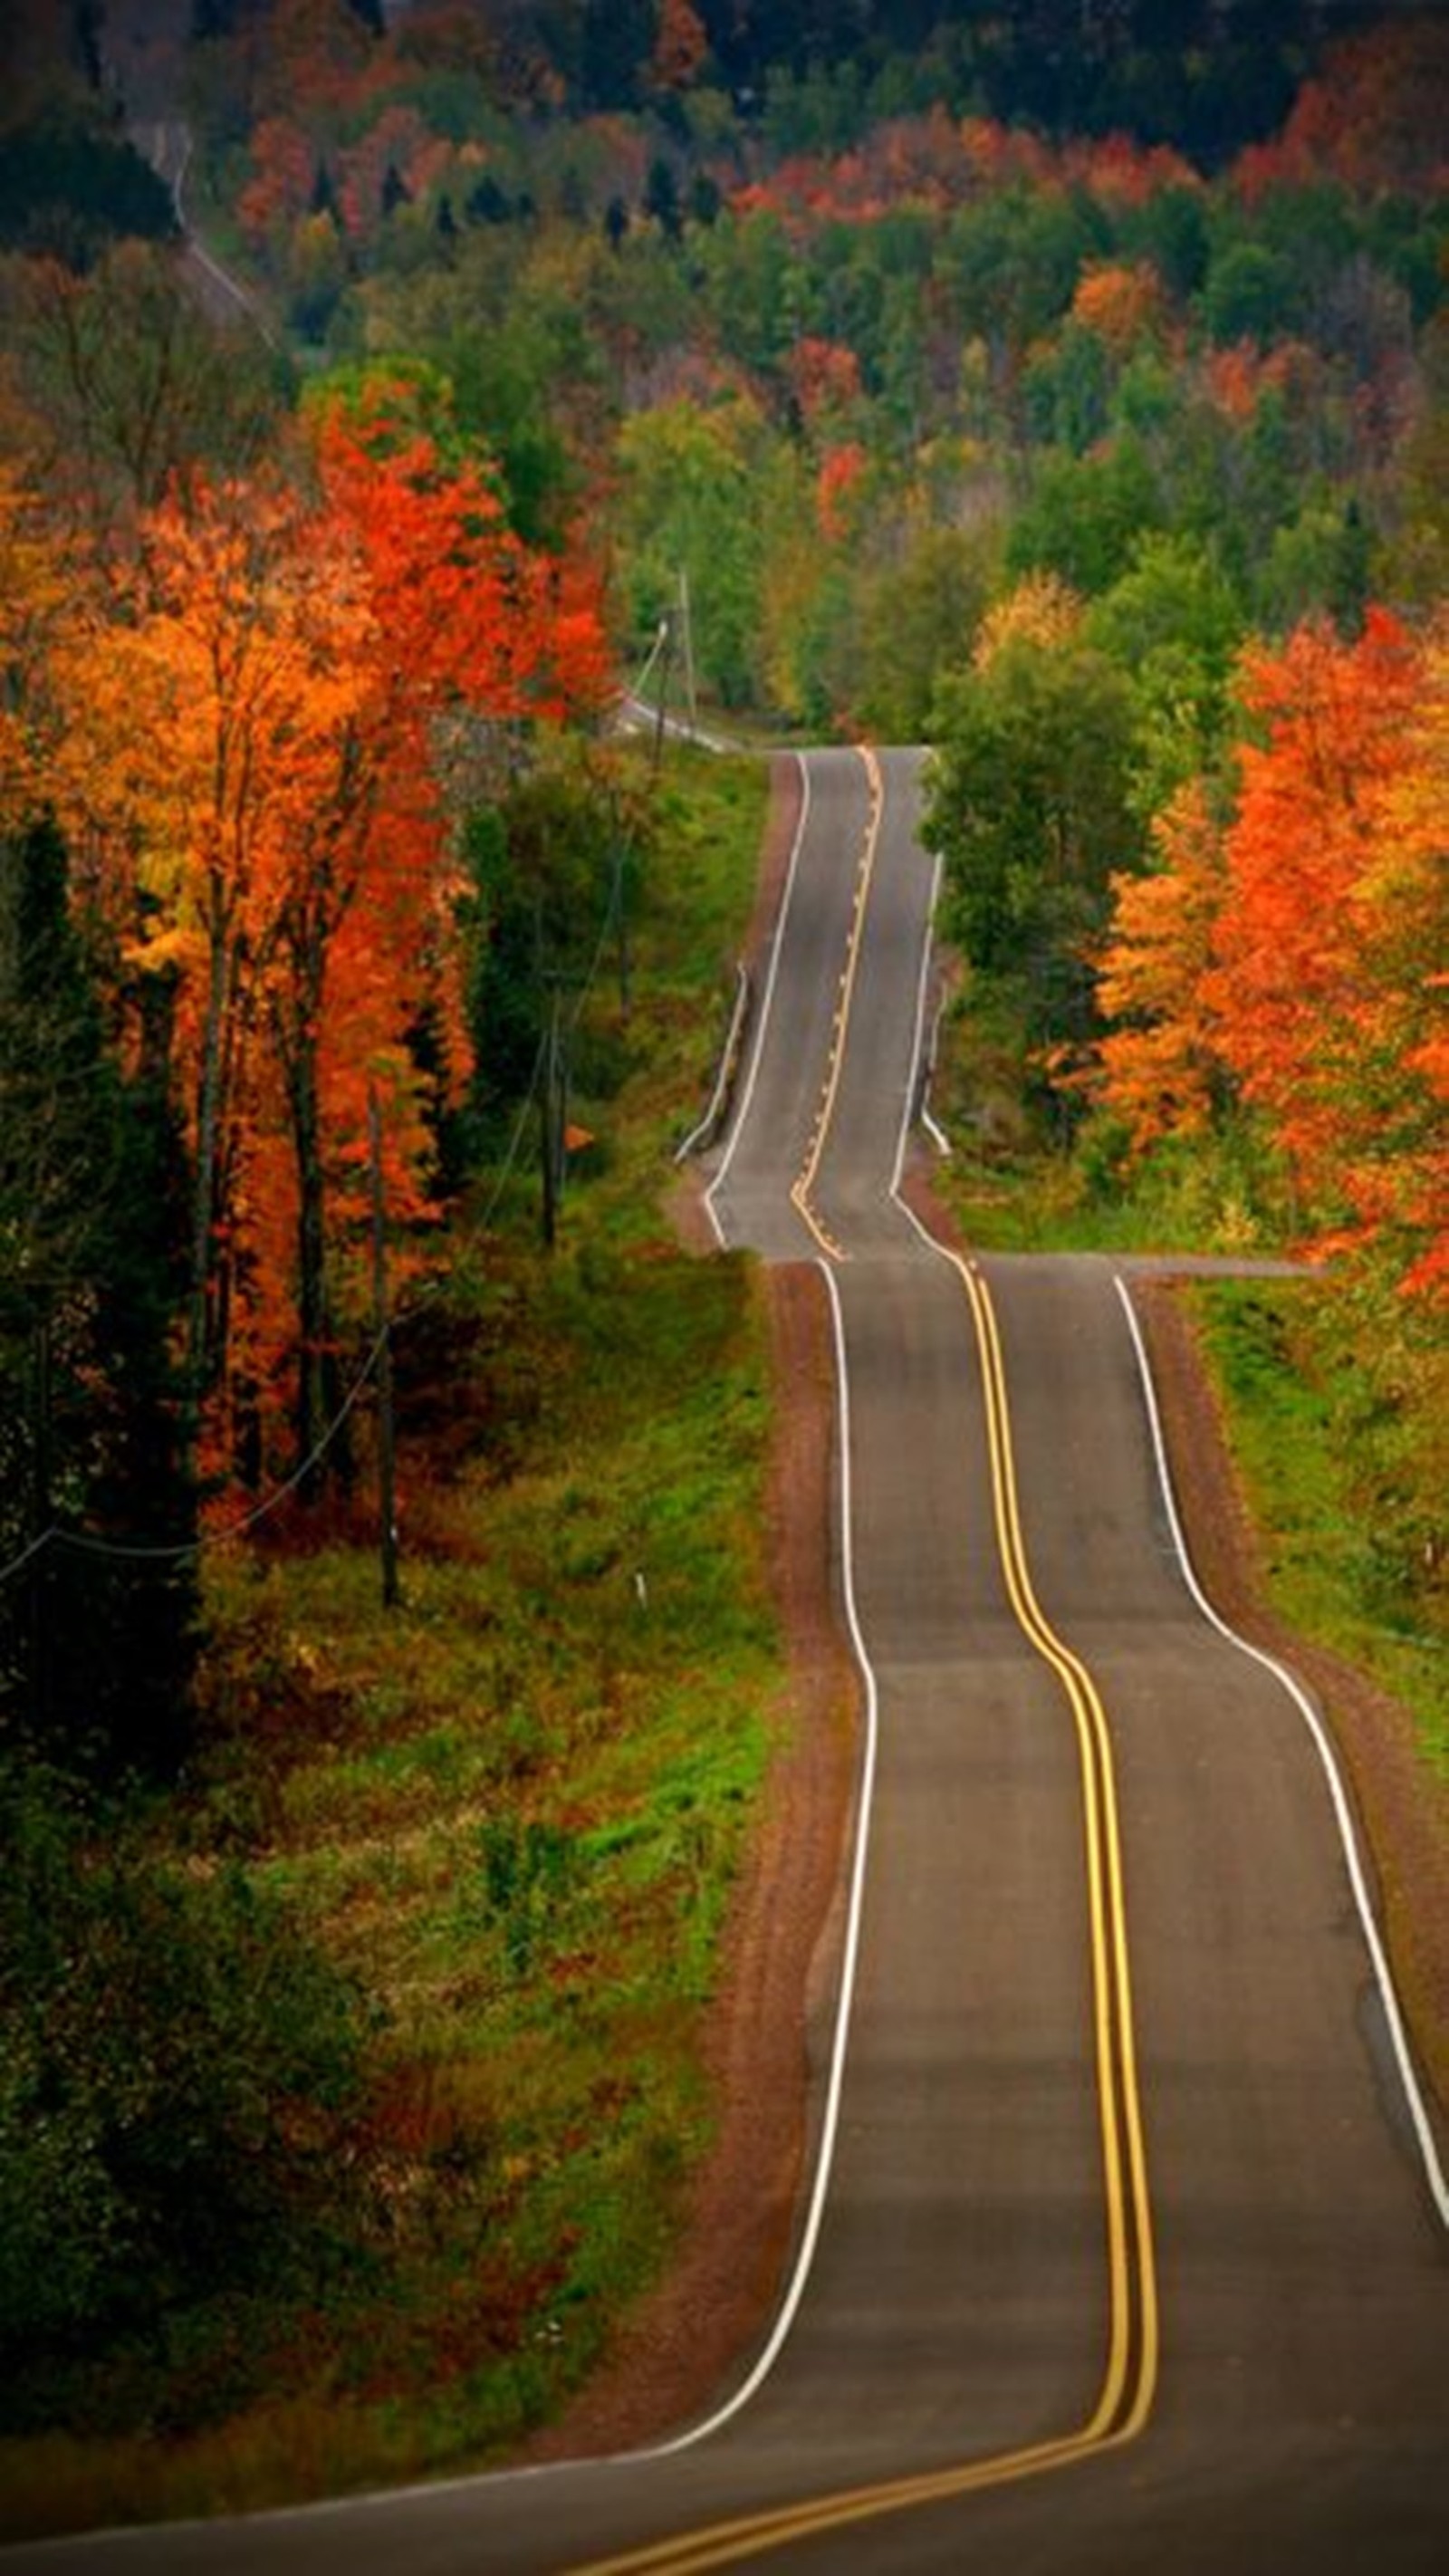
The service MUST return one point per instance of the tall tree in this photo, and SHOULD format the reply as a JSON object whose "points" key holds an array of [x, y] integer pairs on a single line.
{"points": [[95, 1644], [262, 754], [1029, 802], [1159, 1068]]}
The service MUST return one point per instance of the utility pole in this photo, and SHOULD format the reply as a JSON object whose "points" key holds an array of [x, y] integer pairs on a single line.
{"points": [[668, 630], [684, 620], [551, 1119], [386, 1427], [619, 898], [40, 1512]]}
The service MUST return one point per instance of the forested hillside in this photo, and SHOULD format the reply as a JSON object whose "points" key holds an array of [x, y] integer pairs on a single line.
{"points": [[1064, 385]]}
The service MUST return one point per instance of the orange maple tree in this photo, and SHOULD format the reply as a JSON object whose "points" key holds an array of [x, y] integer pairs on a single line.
{"points": [[257, 771], [1159, 1069], [1304, 953], [1122, 302], [1292, 987]]}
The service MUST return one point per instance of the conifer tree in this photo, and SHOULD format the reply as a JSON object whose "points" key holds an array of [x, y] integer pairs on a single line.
{"points": [[95, 1642]]}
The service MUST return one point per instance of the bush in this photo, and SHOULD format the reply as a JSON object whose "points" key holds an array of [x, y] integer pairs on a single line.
{"points": [[176, 2069]]}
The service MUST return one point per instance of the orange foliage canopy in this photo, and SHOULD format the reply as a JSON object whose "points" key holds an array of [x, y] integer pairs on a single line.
{"points": [[1308, 957], [680, 46], [255, 773], [841, 471], [1159, 1067], [1120, 302]]}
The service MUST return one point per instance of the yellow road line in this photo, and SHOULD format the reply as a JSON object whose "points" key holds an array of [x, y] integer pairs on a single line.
{"points": [[804, 1183], [1132, 2265], [1130, 2377], [728, 2544]]}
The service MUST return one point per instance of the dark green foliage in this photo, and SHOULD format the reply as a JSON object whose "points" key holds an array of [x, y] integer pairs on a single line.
{"points": [[1030, 804], [661, 198], [1085, 515], [175, 2067], [1189, 72], [1249, 295], [551, 867], [95, 1645], [617, 38], [68, 186], [501, 383]]}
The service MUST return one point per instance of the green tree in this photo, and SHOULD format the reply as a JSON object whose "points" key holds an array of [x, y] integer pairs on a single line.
{"points": [[916, 619], [1029, 802], [690, 483], [755, 287], [1249, 294], [1318, 562], [1173, 625], [1067, 390], [1084, 515], [96, 1643], [552, 870], [176, 2070], [1009, 264]]}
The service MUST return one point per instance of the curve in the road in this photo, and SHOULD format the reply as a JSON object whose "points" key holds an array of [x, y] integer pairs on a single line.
{"points": [[985, 2294]]}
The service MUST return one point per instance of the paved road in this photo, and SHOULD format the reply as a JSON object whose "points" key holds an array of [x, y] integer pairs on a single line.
{"points": [[1131, 2256]]}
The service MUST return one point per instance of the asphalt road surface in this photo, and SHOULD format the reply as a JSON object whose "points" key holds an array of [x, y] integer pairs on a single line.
{"points": [[1128, 2246]]}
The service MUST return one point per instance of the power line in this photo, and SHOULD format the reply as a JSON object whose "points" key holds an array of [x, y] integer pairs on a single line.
{"points": [[182, 1551]]}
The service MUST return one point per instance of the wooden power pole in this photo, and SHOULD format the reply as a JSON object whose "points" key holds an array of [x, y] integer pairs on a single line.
{"points": [[386, 1428]]}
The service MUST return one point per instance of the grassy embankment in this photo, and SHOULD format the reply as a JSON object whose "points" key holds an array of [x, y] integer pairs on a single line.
{"points": [[512, 1809], [1335, 1398]]}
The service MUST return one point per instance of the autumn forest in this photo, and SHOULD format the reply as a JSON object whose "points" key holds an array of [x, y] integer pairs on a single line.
{"points": [[1064, 387]]}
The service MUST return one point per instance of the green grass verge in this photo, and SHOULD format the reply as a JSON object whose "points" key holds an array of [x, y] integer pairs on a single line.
{"points": [[1335, 1395], [1021, 1177], [1332, 1466], [513, 1809]]}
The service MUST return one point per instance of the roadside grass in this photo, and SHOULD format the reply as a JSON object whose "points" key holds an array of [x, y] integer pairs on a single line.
{"points": [[512, 1809], [1332, 1470], [1021, 1177], [1334, 1402]]}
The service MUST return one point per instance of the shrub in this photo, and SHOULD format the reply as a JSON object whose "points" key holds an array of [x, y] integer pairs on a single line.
{"points": [[176, 2069]]}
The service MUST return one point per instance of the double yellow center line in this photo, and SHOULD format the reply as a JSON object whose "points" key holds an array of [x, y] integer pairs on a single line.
{"points": [[1132, 2361], [1129, 2379], [803, 1187]]}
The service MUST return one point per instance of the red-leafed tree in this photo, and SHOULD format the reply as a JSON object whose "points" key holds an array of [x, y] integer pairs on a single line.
{"points": [[202, 718], [260, 767], [1302, 955], [1158, 1070], [1293, 987]]}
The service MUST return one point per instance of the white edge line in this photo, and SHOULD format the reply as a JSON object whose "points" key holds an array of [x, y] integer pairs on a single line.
{"points": [[917, 1041], [1434, 2171], [921, 1063], [763, 1020], [380, 2498], [1343, 1813], [742, 988], [831, 2119]]}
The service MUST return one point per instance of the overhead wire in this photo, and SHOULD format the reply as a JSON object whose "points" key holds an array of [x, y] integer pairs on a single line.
{"points": [[177, 1552]]}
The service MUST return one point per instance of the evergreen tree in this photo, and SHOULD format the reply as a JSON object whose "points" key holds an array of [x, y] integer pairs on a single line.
{"points": [[661, 199], [95, 1643]]}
